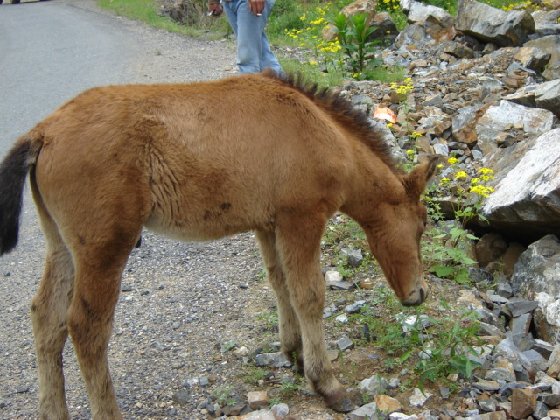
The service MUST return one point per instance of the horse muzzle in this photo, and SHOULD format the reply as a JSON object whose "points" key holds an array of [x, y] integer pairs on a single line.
{"points": [[417, 296]]}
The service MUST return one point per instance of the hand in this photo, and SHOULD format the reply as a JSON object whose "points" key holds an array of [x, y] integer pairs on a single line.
{"points": [[215, 9], [256, 6]]}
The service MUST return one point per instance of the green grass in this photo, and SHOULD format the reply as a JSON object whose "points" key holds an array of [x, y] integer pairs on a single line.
{"points": [[146, 11]]}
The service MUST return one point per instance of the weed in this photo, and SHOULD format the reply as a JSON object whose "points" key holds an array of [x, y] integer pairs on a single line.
{"points": [[224, 395], [253, 375], [270, 319]]}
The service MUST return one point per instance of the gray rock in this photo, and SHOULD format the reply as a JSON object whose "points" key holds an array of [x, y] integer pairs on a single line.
{"points": [[441, 149], [365, 412], [500, 374], [485, 385], [541, 410], [519, 306], [544, 348], [463, 124], [520, 325], [544, 95], [374, 385], [538, 269], [419, 398], [344, 343], [504, 290], [551, 45], [552, 400], [487, 405], [354, 257], [528, 198], [277, 360], [489, 24], [355, 307], [534, 360], [533, 58], [182, 397], [507, 116], [420, 13], [280, 410]]}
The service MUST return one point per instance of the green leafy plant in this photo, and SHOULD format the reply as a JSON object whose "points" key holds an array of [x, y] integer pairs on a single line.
{"points": [[353, 35], [253, 375], [435, 347], [224, 395]]}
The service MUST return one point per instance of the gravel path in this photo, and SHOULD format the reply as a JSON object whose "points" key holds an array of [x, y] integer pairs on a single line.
{"points": [[179, 301]]}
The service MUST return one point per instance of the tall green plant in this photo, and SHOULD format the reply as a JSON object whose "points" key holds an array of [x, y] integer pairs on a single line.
{"points": [[353, 34]]}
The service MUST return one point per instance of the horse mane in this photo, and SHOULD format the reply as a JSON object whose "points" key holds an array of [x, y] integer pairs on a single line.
{"points": [[342, 110]]}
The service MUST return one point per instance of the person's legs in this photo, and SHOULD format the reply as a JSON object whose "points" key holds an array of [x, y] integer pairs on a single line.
{"points": [[253, 49]]}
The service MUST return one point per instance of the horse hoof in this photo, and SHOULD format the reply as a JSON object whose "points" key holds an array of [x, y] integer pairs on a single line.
{"points": [[344, 402]]}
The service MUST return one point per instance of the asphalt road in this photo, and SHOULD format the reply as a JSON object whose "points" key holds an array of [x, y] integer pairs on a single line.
{"points": [[49, 52]]}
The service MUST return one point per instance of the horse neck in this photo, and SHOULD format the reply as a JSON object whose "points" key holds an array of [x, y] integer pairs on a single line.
{"points": [[372, 183]]}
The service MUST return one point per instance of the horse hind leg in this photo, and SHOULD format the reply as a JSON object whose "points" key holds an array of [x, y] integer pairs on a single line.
{"points": [[289, 329], [99, 269], [298, 240], [48, 315]]}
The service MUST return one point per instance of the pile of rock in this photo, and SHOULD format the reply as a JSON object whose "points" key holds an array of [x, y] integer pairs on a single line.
{"points": [[487, 91]]}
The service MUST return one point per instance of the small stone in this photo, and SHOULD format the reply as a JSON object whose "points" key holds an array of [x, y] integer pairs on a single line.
{"points": [[365, 412], [419, 398], [487, 405], [345, 343], [354, 257], [484, 385], [355, 307], [126, 288], [444, 392], [280, 411], [263, 414], [332, 276], [257, 399], [342, 319], [523, 402], [386, 404], [276, 360], [374, 385], [203, 381], [241, 351], [402, 416], [181, 397]]}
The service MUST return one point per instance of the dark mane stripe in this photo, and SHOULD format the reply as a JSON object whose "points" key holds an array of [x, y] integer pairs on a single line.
{"points": [[344, 112]]}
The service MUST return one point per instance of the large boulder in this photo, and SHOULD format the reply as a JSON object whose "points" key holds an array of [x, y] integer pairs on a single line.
{"points": [[537, 277], [510, 118], [551, 45], [526, 202], [493, 25], [543, 95]]}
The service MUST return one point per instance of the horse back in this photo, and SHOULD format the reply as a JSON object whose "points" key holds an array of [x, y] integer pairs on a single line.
{"points": [[196, 161]]}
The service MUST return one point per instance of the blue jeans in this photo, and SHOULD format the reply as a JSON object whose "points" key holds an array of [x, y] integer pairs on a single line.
{"points": [[253, 49]]}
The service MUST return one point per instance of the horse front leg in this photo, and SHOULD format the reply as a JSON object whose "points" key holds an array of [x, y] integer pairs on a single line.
{"points": [[289, 329], [298, 240]]}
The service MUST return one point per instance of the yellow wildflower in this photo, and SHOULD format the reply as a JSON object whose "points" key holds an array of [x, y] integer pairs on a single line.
{"points": [[461, 175], [452, 160]]}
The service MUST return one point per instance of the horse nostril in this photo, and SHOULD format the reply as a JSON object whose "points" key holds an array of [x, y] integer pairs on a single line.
{"points": [[422, 295]]}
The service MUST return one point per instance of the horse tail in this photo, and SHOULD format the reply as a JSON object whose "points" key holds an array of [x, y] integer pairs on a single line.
{"points": [[13, 171]]}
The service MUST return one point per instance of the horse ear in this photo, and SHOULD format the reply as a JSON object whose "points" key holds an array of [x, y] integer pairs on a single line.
{"points": [[415, 182]]}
